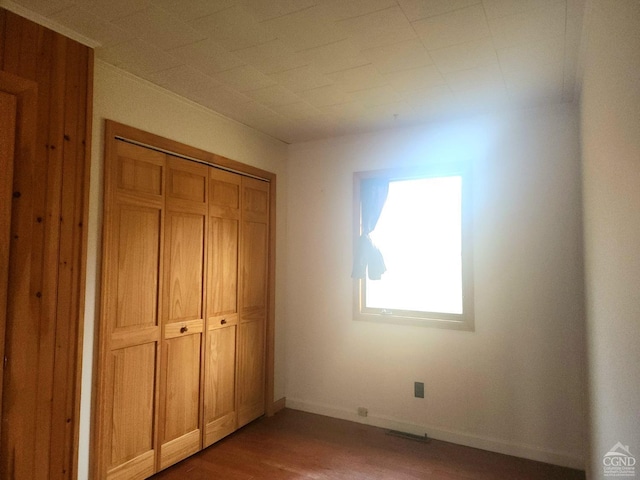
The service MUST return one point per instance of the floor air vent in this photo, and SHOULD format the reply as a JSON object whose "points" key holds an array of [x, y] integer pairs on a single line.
{"points": [[409, 436]]}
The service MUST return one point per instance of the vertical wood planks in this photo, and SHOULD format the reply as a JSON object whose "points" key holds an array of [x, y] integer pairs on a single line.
{"points": [[66, 329], [50, 251], [46, 242]]}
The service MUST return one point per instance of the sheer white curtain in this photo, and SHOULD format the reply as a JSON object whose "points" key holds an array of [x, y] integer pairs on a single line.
{"points": [[368, 259]]}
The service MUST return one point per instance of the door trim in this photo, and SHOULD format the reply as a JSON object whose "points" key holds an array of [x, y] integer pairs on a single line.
{"points": [[9, 116]]}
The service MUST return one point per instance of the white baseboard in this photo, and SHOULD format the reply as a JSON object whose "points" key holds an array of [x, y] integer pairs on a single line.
{"points": [[562, 459]]}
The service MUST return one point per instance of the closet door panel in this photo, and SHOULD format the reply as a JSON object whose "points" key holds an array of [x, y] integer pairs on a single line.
{"points": [[133, 403], [223, 276], [187, 181], [254, 243], [139, 176], [255, 200], [220, 398], [254, 270], [131, 312], [183, 379], [139, 171], [250, 371], [182, 398], [137, 268], [224, 194], [222, 305], [254, 249], [133, 340], [183, 324], [185, 262]]}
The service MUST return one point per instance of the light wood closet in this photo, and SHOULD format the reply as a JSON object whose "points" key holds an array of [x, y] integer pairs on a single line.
{"points": [[185, 306]]}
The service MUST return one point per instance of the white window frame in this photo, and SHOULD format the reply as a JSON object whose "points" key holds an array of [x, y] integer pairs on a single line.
{"points": [[463, 321]]}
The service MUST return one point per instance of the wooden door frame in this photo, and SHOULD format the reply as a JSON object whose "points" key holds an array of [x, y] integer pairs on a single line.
{"points": [[26, 93], [118, 131], [7, 153]]}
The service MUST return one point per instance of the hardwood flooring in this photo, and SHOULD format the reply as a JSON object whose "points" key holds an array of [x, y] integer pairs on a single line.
{"points": [[299, 445]]}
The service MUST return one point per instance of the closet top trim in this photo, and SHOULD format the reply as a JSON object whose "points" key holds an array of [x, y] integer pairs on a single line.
{"points": [[192, 159]]}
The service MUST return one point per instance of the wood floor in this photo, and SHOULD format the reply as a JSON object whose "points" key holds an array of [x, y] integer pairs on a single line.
{"points": [[298, 445]]}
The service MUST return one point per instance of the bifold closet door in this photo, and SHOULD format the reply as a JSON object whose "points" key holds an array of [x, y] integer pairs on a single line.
{"points": [[131, 318], [254, 242], [184, 308], [183, 320], [222, 305]]}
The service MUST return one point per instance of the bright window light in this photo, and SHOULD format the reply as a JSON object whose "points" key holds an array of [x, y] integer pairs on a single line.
{"points": [[420, 236]]}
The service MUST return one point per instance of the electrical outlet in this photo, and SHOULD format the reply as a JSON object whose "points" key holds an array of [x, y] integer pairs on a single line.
{"points": [[362, 412], [418, 389]]}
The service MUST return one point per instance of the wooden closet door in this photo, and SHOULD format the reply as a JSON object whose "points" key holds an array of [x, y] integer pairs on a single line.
{"points": [[130, 325], [183, 324], [222, 305], [254, 248]]}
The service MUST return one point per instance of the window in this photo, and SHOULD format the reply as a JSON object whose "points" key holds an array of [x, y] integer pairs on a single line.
{"points": [[423, 236]]}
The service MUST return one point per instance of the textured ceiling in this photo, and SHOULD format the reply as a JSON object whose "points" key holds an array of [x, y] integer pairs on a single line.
{"points": [[307, 69]]}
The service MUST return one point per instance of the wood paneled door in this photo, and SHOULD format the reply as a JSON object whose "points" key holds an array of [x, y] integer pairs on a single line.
{"points": [[222, 305], [131, 311], [183, 312], [254, 249], [185, 303]]}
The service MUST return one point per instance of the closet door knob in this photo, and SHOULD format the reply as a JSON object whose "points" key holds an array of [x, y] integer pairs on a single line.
{"points": [[223, 321], [184, 329]]}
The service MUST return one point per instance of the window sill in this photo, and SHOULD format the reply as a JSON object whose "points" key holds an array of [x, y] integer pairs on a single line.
{"points": [[462, 322]]}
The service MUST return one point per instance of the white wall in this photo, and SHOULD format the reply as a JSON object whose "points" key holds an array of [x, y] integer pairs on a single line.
{"points": [[127, 99], [516, 384], [611, 185]]}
